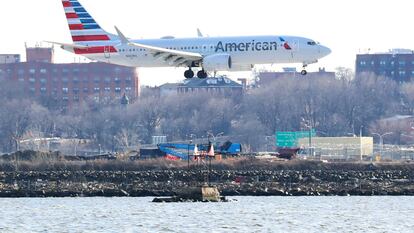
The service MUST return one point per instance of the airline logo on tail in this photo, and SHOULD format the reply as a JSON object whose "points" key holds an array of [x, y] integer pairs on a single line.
{"points": [[84, 29]]}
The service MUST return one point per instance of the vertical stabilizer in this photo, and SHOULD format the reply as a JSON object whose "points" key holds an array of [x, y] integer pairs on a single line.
{"points": [[83, 28]]}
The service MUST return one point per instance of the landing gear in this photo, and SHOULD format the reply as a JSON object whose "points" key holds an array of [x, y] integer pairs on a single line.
{"points": [[304, 72], [202, 74], [188, 74]]}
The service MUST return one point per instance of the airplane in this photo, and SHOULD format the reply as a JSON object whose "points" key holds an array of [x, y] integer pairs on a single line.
{"points": [[208, 54]]}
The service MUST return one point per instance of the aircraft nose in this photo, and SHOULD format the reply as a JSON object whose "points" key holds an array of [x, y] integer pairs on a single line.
{"points": [[324, 51]]}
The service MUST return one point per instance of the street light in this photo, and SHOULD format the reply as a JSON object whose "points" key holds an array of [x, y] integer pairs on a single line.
{"points": [[321, 132], [214, 137], [351, 134], [309, 125], [381, 139]]}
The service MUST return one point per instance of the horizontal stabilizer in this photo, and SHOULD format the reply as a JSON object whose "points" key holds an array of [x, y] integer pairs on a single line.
{"points": [[69, 46]]}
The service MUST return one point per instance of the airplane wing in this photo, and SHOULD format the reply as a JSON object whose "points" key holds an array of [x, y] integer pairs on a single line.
{"points": [[171, 56]]}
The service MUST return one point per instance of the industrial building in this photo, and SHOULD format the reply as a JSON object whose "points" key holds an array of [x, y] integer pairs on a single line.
{"points": [[66, 85], [339, 147], [397, 64]]}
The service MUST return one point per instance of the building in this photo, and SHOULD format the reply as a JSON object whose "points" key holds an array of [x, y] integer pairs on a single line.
{"points": [[9, 58], [397, 64], [40, 54], [168, 88], [339, 147], [398, 129], [66, 85], [222, 85], [266, 78]]}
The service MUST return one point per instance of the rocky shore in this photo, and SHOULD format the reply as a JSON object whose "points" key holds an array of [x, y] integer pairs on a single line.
{"points": [[279, 180]]}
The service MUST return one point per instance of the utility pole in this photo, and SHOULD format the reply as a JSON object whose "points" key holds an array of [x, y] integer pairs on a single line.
{"points": [[360, 142], [310, 139]]}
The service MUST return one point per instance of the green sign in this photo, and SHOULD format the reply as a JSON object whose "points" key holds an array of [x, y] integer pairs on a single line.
{"points": [[305, 134], [285, 139], [290, 139]]}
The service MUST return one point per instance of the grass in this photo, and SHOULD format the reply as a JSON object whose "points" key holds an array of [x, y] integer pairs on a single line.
{"points": [[40, 161]]}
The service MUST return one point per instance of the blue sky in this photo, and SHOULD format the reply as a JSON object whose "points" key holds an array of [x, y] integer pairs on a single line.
{"points": [[347, 27]]}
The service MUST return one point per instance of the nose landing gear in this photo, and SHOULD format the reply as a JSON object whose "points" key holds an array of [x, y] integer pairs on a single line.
{"points": [[304, 72]]}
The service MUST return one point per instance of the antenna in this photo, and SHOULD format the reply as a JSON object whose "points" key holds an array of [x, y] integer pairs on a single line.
{"points": [[199, 33]]}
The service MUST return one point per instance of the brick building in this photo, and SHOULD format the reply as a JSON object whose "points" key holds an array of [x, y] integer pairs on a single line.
{"points": [[397, 64], [69, 84]]}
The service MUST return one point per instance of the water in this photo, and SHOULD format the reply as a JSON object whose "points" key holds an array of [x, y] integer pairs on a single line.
{"points": [[248, 214]]}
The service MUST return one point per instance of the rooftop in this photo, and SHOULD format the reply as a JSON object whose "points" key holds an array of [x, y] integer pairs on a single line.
{"points": [[210, 82], [169, 85], [390, 52]]}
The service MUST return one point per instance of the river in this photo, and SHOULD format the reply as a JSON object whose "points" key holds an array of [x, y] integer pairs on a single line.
{"points": [[247, 214]]}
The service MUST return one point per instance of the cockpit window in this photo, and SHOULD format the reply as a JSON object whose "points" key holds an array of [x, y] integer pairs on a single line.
{"points": [[311, 43]]}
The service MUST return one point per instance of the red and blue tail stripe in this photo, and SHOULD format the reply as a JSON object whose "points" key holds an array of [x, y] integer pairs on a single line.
{"points": [[84, 29]]}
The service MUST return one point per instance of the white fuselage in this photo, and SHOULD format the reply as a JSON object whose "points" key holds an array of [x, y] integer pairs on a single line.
{"points": [[245, 51]]}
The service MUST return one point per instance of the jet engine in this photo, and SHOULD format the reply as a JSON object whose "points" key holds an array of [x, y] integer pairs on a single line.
{"points": [[217, 62]]}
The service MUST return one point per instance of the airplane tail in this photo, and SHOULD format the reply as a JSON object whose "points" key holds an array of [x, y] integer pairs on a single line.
{"points": [[83, 28]]}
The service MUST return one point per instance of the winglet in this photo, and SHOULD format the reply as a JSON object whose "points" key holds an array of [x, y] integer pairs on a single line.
{"points": [[121, 36]]}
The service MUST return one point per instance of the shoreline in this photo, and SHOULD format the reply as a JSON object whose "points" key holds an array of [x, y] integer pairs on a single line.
{"points": [[238, 182]]}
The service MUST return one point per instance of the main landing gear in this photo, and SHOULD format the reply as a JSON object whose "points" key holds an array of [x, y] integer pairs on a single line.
{"points": [[188, 74], [202, 74]]}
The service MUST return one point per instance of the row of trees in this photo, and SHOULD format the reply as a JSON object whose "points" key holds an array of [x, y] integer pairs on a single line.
{"points": [[334, 107]]}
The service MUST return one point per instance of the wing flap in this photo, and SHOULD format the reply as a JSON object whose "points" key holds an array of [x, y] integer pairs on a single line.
{"points": [[166, 54], [189, 55]]}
